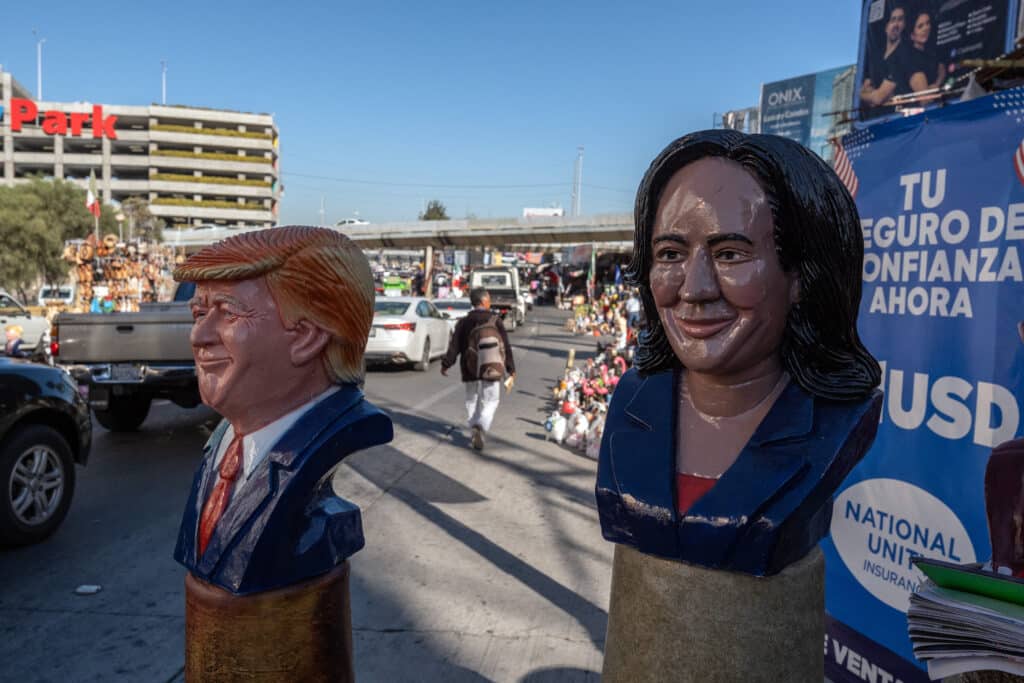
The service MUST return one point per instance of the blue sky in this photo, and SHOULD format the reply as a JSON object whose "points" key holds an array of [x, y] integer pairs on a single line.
{"points": [[434, 100]]}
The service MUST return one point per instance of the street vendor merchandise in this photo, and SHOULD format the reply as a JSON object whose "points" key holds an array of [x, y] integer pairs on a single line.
{"points": [[111, 275]]}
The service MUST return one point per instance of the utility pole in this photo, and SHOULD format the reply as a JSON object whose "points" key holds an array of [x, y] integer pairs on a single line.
{"points": [[39, 65], [322, 211], [163, 81], [577, 182]]}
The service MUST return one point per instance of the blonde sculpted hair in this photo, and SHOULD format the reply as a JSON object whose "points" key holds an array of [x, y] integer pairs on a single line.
{"points": [[314, 274]]}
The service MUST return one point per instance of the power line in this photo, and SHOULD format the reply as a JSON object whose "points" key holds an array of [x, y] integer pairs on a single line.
{"points": [[360, 181]]}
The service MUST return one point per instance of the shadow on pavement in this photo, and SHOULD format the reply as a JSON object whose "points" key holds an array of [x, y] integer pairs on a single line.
{"points": [[561, 675], [418, 492], [429, 483], [587, 614]]}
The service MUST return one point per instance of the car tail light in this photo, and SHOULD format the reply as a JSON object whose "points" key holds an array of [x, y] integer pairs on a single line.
{"points": [[54, 341], [407, 327]]}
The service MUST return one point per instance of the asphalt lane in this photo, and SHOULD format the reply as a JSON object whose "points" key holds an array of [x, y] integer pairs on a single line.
{"points": [[478, 567]]}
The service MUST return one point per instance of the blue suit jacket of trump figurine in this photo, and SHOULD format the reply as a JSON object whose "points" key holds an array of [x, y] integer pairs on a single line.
{"points": [[285, 525], [765, 512]]}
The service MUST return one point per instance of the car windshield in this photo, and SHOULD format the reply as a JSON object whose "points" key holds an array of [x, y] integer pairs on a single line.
{"points": [[391, 307], [55, 292], [455, 305]]}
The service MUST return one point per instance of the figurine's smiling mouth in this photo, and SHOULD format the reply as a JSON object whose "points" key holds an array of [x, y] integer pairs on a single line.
{"points": [[212, 362], [703, 328]]}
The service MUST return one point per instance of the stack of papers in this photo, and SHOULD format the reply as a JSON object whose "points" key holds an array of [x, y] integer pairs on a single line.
{"points": [[956, 632]]}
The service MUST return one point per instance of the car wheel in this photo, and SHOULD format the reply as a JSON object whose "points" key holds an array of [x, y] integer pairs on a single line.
{"points": [[424, 363], [124, 413], [38, 477]]}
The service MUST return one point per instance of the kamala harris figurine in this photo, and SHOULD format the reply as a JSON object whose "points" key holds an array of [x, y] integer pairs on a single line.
{"points": [[750, 401], [281, 322]]}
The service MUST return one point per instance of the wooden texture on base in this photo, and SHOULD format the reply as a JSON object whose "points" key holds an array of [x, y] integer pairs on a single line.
{"points": [[672, 621], [299, 633]]}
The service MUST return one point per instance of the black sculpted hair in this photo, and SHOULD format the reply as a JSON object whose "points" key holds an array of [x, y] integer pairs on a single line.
{"points": [[477, 295], [817, 234]]}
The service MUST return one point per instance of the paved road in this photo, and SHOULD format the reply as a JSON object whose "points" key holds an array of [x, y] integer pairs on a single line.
{"points": [[478, 567]]}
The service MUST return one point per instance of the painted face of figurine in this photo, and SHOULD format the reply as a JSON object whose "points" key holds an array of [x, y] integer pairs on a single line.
{"points": [[720, 290], [246, 360]]}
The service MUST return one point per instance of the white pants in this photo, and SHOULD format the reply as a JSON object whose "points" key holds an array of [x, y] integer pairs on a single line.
{"points": [[481, 403]]}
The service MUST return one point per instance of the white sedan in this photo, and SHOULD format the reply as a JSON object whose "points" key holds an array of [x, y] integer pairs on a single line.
{"points": [[454, 310], [406, 329]]}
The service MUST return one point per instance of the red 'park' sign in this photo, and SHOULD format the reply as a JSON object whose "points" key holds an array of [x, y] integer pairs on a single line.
{"points": [[58, 123]]}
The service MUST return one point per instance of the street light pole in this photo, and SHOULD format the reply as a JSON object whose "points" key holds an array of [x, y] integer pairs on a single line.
{"points": [[39, 65]]}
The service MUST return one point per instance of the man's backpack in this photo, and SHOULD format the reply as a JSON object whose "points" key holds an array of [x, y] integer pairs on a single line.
{"points": [[485, 351]]}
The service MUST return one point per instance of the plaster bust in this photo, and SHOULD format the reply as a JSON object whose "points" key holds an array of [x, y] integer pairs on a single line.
{"points": [[281, 322], [752, 396]]}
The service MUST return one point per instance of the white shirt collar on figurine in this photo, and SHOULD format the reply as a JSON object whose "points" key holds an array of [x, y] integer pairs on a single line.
{"points": [[257, 445]]}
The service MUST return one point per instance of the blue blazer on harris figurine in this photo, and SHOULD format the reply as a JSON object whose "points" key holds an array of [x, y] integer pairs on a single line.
{"points": [[285, 525], [765, 512]]}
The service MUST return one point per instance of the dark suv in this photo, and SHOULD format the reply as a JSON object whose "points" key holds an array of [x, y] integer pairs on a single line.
{"points": [[44, 431]]}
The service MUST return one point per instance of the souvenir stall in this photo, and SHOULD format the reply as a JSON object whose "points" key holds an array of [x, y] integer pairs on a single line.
{"points": [[111, 275]]}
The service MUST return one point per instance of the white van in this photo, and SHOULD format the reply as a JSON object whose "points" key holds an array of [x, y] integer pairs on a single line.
{"points": [[54, 295]]}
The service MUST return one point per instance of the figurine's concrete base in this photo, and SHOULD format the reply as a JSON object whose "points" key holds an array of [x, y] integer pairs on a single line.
{"points": [[297, 633], [671, 621]]}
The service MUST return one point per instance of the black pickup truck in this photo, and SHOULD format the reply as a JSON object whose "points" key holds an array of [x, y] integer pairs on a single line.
{"points": [[45, 430]]}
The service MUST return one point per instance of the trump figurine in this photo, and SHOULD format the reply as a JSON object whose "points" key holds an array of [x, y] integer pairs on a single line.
{"points": [[750, 401], [281, 322]]}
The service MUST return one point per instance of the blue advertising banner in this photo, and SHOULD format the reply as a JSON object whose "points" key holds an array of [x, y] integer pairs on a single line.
{"points": [[941, 200]]}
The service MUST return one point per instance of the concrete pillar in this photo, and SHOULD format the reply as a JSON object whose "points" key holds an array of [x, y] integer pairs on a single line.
{"points": [[58, 156], [428, 269]]}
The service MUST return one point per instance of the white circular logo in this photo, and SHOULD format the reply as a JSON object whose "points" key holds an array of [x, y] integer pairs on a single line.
{"points": [[878, 525]]}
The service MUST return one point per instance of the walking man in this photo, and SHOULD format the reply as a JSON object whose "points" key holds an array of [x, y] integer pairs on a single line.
{"points": [[481, 343]]}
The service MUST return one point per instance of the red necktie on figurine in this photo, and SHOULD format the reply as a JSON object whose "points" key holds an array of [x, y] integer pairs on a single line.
{"points": [[215, 505]]}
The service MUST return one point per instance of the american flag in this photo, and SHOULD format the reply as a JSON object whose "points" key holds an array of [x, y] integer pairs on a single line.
{"points": [[844, 169], [1018, 162]]}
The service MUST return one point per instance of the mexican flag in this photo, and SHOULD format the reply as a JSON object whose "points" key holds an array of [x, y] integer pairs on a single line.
{"points": [[92, 200]]}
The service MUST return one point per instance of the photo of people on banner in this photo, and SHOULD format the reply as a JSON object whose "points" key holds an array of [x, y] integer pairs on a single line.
{"points": [[911, 50]]}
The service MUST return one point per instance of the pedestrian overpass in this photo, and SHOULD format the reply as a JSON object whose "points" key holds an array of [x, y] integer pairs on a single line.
{"points": [[522, 233]]}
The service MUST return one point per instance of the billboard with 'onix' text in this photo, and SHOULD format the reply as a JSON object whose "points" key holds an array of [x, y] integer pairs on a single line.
{"points": [[807, 108]]}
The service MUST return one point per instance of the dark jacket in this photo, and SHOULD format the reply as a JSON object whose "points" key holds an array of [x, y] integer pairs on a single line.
{"points": [[15, 351], [286, 525], [764, 513], [460, 340]]}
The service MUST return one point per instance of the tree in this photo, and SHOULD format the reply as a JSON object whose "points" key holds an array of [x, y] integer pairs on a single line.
{"points": [[435, 211], [36, 218], [142, 223]]}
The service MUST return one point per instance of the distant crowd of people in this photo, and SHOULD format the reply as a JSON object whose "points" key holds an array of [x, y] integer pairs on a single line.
{"points": [[616, 312], [581, 396]]}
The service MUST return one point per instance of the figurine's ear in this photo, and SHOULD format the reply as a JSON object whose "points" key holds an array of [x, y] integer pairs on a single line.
{"points": [[794, 288], [308, 342]]}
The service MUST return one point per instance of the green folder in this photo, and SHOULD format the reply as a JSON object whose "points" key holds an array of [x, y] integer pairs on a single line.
{"points": [[970, 578]]}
